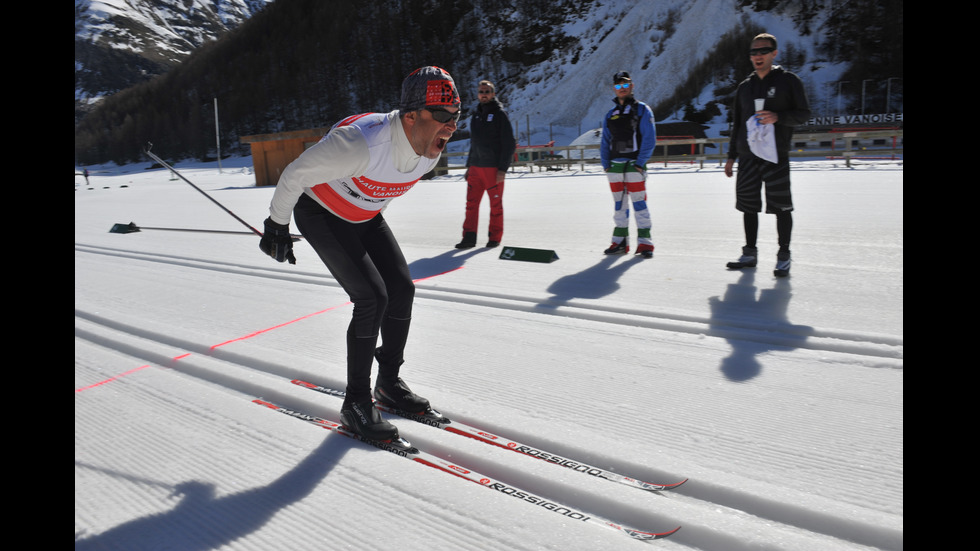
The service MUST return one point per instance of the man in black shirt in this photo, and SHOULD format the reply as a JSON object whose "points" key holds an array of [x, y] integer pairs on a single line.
{"points": [[768, 104]]}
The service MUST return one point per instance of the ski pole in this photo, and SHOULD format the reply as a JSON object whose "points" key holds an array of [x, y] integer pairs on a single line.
{"points": [[132, 228], [181, 176]]}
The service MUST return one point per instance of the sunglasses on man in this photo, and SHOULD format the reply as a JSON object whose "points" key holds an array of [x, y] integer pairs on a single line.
{"points": [[443, 115], [622, 86], [762, 51]]}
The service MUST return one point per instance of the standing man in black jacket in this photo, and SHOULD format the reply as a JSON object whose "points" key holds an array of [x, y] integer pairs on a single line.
{"points": [[492, 147], [768, 104]]}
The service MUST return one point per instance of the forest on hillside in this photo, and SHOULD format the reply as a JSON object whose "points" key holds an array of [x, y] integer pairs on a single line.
{"points": [[307, 63]]}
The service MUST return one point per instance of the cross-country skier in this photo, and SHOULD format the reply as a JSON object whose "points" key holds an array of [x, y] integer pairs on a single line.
{"points": [[336, 191]]}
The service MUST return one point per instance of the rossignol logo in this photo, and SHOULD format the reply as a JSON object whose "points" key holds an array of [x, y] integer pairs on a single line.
{"points": [[540, 502], [388, 447], [422, 419], [558, 460]]}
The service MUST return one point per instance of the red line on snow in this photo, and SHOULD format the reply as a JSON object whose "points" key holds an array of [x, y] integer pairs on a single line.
{"points": [[110, 379], [246, 337], [260, 331]]}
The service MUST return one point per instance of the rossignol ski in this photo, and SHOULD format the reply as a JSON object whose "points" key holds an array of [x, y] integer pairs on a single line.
{"points": [[436, 419], [404, 449]]}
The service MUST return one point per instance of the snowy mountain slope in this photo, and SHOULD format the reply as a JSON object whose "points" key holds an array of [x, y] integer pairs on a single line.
{"points": [[559, 98], [781, 399], [158, 33], [156, 26], [638, 37]]}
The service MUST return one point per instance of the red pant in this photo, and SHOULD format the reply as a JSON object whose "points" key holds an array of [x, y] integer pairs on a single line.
{"points": [[480, 179]]}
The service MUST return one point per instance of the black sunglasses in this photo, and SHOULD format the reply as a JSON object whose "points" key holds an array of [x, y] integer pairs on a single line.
{"points": [[762, 51], [443, 115]]}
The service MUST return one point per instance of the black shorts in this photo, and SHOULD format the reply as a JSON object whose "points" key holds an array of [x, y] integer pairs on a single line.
{"points": [[752, 173]]}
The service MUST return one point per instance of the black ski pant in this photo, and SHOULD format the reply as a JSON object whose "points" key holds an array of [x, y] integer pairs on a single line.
{"points": [[367, 262]]}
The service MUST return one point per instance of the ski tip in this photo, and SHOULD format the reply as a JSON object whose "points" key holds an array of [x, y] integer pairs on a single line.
{"points": [[651, 487], [675, 485], [640, 535], [668, 533]]}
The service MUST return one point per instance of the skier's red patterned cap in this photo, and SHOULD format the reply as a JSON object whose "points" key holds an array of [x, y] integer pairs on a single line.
{"points": [[428, 87]]}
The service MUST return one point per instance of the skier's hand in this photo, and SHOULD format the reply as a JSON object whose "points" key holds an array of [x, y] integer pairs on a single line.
{"points": [[767, 117], [276, 242], [729, 166]]}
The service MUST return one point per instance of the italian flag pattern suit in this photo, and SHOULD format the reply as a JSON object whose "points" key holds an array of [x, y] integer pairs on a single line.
{"points": [[628, 139]]}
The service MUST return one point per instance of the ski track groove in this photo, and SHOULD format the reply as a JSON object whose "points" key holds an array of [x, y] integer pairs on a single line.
{"points": [[151, 503], [693, 436], [146, 346], [468, 528], [885, 347]]}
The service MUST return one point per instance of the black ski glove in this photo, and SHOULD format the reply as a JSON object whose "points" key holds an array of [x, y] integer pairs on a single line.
{"points": [[276, 242]]}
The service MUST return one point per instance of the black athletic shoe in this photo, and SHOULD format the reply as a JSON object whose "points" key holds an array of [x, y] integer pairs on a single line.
{"points": [[491, 244], [617, 248], [782, 264], [395, 393], [468, 242], [365, 420], [749, 258]]}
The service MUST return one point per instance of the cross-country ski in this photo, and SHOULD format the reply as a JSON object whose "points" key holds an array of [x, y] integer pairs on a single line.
{"points": [[456, 427], [404, 449]]}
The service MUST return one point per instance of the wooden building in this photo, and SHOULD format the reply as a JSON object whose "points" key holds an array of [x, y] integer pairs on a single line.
{"points": [[272, 152]]}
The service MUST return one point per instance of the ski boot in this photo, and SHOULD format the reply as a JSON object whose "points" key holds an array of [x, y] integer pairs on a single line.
{"points": [[365, 420], [749, 258], [646, 251], [396, 394], [618, 248], [782, 264]]}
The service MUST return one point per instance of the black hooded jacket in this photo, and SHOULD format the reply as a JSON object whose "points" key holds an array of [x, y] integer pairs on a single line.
{"points": [[492, 141], [784, 95]]}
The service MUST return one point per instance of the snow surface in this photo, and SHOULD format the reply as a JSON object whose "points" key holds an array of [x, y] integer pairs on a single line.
{"points": [[780, 399]]}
